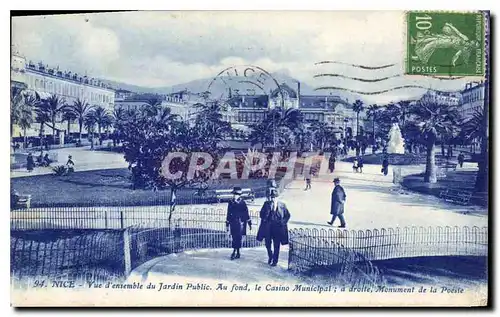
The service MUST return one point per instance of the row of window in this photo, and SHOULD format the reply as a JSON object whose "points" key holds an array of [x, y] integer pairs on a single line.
{"points": [[473, 96], [250, 116], [68, 89]]}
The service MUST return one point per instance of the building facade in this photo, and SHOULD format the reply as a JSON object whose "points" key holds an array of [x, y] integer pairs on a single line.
{"points": [[442, 98], [47, 81], [472, 99]]}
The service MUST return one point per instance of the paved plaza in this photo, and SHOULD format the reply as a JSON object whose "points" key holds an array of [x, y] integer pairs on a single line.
{"points": [[84, 158]]}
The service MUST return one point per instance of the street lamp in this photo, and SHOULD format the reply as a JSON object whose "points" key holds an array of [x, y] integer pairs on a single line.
{"points": [[345, 134]]}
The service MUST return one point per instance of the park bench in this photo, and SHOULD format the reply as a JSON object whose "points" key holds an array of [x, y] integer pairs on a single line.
{"points": [[226, 194], [456, 196], [22, 201]]}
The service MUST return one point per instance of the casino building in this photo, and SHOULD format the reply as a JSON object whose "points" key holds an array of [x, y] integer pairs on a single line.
{"points": [[333, 110]]}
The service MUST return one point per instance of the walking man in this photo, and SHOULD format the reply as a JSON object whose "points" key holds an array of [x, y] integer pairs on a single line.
{"points": [[331, 163], [237, 220], [338, 201], [30, 162], [273, 228], [385, 166], [461, 159]]}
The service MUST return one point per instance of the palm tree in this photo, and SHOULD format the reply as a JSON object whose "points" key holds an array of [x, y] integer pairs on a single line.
{"points": [[357, 107], [27, 118], [434, 121], [404, 106], [209, 119], [70, 116], [473, 129], [16, 109], [372, 113], [54, 106], [153, 106], [42, 116], [321, 133], [90, 122], [260, 134], [81, 108], [119, 114], [102, 119]]}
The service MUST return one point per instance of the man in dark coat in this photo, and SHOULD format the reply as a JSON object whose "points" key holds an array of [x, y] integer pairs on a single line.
{"points": [[273, 228], [30, 162], [385, 166], [461, 159], [331, 163], [338, 201], [237, 220]]}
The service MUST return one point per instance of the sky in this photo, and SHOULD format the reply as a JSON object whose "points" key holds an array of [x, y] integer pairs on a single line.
{"points": [[161, 48]]}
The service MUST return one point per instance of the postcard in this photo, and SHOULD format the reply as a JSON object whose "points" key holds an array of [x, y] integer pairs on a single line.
{"points": [[250, 158]]}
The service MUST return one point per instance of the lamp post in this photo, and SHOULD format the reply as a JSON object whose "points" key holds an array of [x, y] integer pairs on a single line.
{"points": [[345, 134]]}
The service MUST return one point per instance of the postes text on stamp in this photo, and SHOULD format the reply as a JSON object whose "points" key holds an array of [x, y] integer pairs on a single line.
{"points": [[445, 43]]}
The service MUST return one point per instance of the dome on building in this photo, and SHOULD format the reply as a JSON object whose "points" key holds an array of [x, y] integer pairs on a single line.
{"points": [[284, 89]]}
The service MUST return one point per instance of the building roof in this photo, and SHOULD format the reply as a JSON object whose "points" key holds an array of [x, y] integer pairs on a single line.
{"points": [[255, 101], [320, 101], [284, 87]]}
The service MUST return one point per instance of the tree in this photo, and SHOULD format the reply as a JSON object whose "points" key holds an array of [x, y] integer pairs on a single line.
{"points": [[27, 114], [119, 114], [473, 128], [16, 106], [54, 105], [42, 116], [148, 140], [357, 107], [404, 106], [322, 132], [81, 108], [372, 113], [434, 120], [209, 120], [69, 116], [90, 122], [102, 120], [261, 134]]}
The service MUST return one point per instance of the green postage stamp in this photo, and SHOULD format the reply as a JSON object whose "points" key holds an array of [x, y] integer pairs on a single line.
{"points": [[445, 43]]}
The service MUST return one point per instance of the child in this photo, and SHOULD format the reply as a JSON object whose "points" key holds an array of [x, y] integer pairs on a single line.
{"points": [[308, 182], [355, 165]]}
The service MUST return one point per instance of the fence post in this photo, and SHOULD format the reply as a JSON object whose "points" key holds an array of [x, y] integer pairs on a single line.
{"points": [[105, 219], [121, 219], [126, 252]]}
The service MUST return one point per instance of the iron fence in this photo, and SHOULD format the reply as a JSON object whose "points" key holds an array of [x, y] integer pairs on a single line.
{"points": [[349, 253], [117, 217], [188, 230], [67, 255], [96, 255], [314, 255]]}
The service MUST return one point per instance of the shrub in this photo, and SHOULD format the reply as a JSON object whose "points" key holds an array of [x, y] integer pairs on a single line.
{"points": [[59, 170]]}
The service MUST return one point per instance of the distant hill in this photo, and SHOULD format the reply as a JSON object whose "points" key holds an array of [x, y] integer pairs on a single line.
{"points": [[201, 85]]}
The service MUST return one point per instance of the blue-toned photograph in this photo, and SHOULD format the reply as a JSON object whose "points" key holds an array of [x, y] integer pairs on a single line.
{"points": [[245, 158]]}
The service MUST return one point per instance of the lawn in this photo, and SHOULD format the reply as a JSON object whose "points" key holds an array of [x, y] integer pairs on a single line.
{"points": [[109, 188], [459, 180]]}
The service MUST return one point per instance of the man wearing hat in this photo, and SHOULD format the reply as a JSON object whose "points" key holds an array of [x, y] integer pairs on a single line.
{"points": [[237, 220], [337, 206], [273, 228]]}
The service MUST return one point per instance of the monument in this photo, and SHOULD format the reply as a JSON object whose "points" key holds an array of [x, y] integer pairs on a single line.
{"points": [[396, 142]]}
